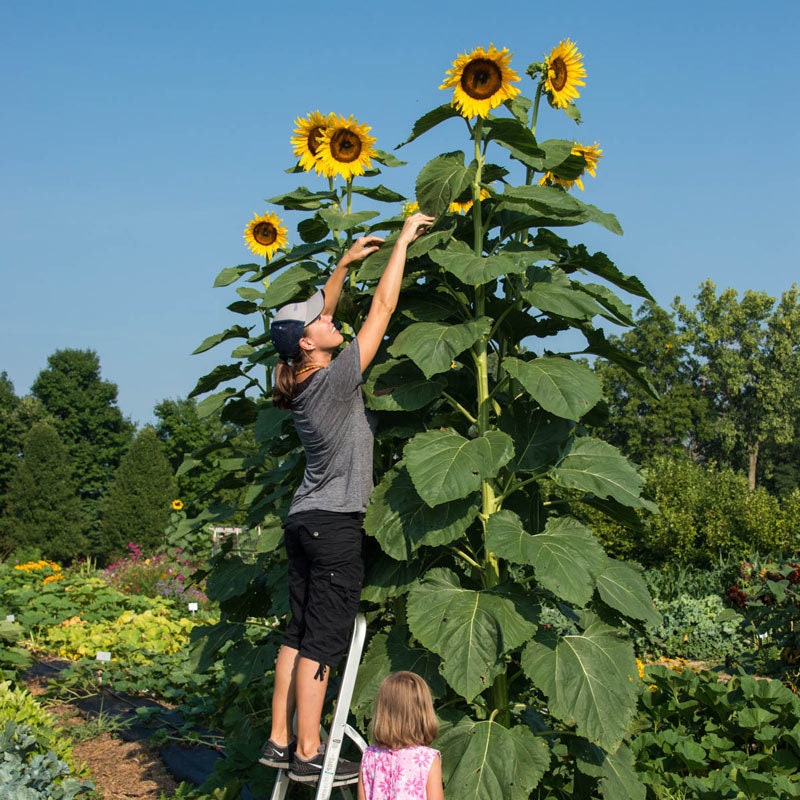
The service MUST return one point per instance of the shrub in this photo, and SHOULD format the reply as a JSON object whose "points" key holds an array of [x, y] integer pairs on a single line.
{"points": [[697, 628]]}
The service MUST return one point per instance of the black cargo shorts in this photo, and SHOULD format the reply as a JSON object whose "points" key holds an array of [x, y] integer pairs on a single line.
{"points": [[326, 572]]}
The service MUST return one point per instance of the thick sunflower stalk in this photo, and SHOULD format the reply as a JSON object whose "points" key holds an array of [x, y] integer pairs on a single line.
{"points": [[483, 574]]}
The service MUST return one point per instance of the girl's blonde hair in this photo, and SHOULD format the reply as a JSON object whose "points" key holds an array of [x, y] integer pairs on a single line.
{"points": [[404, 714]]}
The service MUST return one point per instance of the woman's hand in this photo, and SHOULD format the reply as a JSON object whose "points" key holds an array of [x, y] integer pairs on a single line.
{"points": [[414, 227], [362, 247]]}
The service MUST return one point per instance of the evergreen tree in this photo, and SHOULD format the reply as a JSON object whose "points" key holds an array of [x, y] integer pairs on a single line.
{"points": [[139, 502], [42, 505], [88, 420]]}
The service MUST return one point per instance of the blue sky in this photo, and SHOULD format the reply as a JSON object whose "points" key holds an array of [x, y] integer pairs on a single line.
{"points": [[137, 140]]}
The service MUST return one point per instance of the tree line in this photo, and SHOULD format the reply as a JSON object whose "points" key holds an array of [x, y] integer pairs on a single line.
{"points": [[77, 479], [714, 415]]}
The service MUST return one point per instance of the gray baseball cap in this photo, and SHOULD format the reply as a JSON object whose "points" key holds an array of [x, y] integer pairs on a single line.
{"points": [[287, 325]]}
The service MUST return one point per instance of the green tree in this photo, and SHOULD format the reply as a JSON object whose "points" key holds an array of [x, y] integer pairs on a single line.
{"points": [[88, 420], [195, 446], [675, 418], [745, 355], [43, 509], [140, 499], [480, 445]]}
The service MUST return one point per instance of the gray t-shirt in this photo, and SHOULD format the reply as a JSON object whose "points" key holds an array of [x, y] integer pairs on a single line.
{"points": [[330, 419]]}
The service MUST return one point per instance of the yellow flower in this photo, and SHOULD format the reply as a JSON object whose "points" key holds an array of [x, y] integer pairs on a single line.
{"points": [[177, 505], [307, 134], [410, 208], [462, 208], [481, 81], [265, 234], [563, 73], [590, 154], [345, 148], [56, 577]]}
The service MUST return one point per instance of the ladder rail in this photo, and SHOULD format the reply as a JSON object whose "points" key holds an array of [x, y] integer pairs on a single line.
{"points": [[339, 726]]}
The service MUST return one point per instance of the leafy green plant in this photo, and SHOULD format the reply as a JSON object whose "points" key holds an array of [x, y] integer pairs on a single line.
{"points": [[697, 737], [28, 774], [481, 448], [13, 659], [696, 628]]}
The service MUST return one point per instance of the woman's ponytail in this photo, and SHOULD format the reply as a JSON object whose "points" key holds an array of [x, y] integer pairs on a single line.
{"points": [[284, 384]]}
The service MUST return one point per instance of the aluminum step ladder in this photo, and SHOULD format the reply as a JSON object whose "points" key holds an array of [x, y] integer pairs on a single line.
{"points": [[339, 726]]}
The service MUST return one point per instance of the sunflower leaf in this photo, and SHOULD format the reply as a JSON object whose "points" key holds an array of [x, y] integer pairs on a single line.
{"points": [[379, 193], [287, 285], [430, 120], [517, 139], [441, 181], [459, 260], [339, 221], [565, 388], [235, 332], [433, 346], [387, 159], [230, 274], [302, 199], [552, 291]]}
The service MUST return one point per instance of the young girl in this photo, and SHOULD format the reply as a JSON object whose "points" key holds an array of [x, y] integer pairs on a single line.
{"points": [[400, 765]]}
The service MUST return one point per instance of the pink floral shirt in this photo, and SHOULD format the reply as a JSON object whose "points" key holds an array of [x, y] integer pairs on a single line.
{"points": [[396, 774]]}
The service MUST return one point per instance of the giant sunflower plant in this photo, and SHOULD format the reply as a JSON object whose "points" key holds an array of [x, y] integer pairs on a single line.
{"points": [[483, 573]]}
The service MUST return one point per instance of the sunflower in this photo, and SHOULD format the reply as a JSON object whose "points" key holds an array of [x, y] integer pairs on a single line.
{"points": [[590, 154], [305, 141], [563, 72], [481, 81], [409, 208], [345, 148], [461, 208], [177, 505], [265, 234]]}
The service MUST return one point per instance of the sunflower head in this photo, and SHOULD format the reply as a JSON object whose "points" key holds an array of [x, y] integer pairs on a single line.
{"points": [[463, 207], [563, 72], [481, 80], [584, 158], [307, 133], [265, 234], [409, 208], [345, 148], [177, 505]]}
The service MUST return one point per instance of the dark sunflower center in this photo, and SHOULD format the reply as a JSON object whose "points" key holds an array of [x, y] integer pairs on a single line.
{"points": [[312, 141], [345, 146], [558, 74], [265, 233], [481, 78]]}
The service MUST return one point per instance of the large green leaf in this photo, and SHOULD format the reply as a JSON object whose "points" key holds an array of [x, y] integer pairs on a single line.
{"points": [[288, 284], [380, 192], [433, 347], [622, 587], [470, 630], [486, 761], [399, 386], [430, 120], [594, 466], [341, 221], [234, 332], [538, 436], [552, 291], [387, 654], [459, 260], [402, 522], [269, 423], [565, 388], [441, 181], [566, 557], [301, 199], [386, 578], [372, 266], [517, 138], [445, 466], [589, 680], [230, 274], [554, 206]]}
